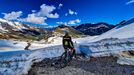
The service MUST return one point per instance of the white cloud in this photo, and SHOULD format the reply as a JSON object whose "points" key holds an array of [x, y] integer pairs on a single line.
{"points": [[33, 11], [53, 15], [71, 12], [13, 15], [66, 14], [32, 18], [71, 22], [37, 17], [42, 15], [65, 23], [60, 5], [130, 2], [46, 11]]}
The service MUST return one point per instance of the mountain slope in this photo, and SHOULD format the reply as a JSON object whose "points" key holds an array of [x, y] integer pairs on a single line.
{"points": [[60, 31], [94, 29], [125, 30], [17, 30]]}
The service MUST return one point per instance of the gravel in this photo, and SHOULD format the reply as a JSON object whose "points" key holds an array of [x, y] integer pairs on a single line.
{"points": [[83, 66]]}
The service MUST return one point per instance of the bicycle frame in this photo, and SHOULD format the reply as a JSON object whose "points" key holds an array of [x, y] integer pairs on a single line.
{"points": [[65, 58]]}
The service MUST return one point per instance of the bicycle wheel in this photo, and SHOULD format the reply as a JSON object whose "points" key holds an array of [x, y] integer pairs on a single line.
{"points": [[60, 63]]}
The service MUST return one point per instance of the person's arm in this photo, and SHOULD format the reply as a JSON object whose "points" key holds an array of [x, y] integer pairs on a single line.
{"points": [[63, 41]]}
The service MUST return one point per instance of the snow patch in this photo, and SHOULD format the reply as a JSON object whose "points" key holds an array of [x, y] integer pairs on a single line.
{"points": [[125, 61]]}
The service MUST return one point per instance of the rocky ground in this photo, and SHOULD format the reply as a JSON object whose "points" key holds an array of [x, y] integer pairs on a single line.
{"points": [[85, 66]]}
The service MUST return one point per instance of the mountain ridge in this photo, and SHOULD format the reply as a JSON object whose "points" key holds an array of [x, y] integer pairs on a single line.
{"points": [[94, 29]]}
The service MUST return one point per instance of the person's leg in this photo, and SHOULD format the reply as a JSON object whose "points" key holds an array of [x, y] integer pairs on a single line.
{"points": [[65, 53], [74, 53]]}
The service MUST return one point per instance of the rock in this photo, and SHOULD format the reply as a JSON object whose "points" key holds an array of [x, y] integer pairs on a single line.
{"points": [[131, 52]]}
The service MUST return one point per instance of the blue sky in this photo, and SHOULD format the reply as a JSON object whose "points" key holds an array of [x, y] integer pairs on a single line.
{"points": [[72, 12]]}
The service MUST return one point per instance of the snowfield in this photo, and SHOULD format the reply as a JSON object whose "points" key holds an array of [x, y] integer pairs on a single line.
{"points": [[14, 60], [19, 62], [15, 45]]}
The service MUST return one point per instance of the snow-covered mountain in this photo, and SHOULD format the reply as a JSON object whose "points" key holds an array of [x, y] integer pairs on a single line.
{"points": [[125, 30], [8, 25], [94, 29], [17, 30]]}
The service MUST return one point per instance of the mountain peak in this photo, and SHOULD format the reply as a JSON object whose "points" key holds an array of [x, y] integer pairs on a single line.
{"points": [[3, 20]]}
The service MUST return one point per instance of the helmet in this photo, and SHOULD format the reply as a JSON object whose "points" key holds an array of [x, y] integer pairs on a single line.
{"points": [[66, 32]]}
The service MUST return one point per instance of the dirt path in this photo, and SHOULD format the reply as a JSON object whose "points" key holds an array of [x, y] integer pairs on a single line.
{"points": [[94, 66]]}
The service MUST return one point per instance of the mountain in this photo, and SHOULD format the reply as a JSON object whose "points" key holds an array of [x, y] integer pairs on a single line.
{"points": [[17, 30], [124, 30], [94, 29], [60, 31]]}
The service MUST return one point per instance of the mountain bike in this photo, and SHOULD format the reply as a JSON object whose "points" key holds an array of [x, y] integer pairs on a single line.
{"points": [[65, 59]]}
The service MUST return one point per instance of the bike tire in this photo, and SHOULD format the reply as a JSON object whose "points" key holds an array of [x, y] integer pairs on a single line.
{"points": [[64, 60], [61, 63]]}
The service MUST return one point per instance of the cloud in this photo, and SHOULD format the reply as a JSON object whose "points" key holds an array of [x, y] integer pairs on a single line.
{"points": [[60, 23], [53, 15], [71, 22], [66, 14], [42, 15], [46, 11], [33, 11], [130, 2], [13, 15], [71, 12], [32, 18], [60, 5], [37, 17]]}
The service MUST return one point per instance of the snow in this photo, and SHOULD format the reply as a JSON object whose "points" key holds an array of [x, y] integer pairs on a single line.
{"points": [[125, 61], [19, 26], [113, 41], [2, 29], [3, 20], [14, 60], [107, 46], [11, 61], [19, 62], [15, 45], [55, 40], [16, 25], [11, 45], [125, 58], [84, 40], [125, 31], [38, 56]]}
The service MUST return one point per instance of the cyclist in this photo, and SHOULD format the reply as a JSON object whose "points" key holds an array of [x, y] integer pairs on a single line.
{"points": [[68, 44]]}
